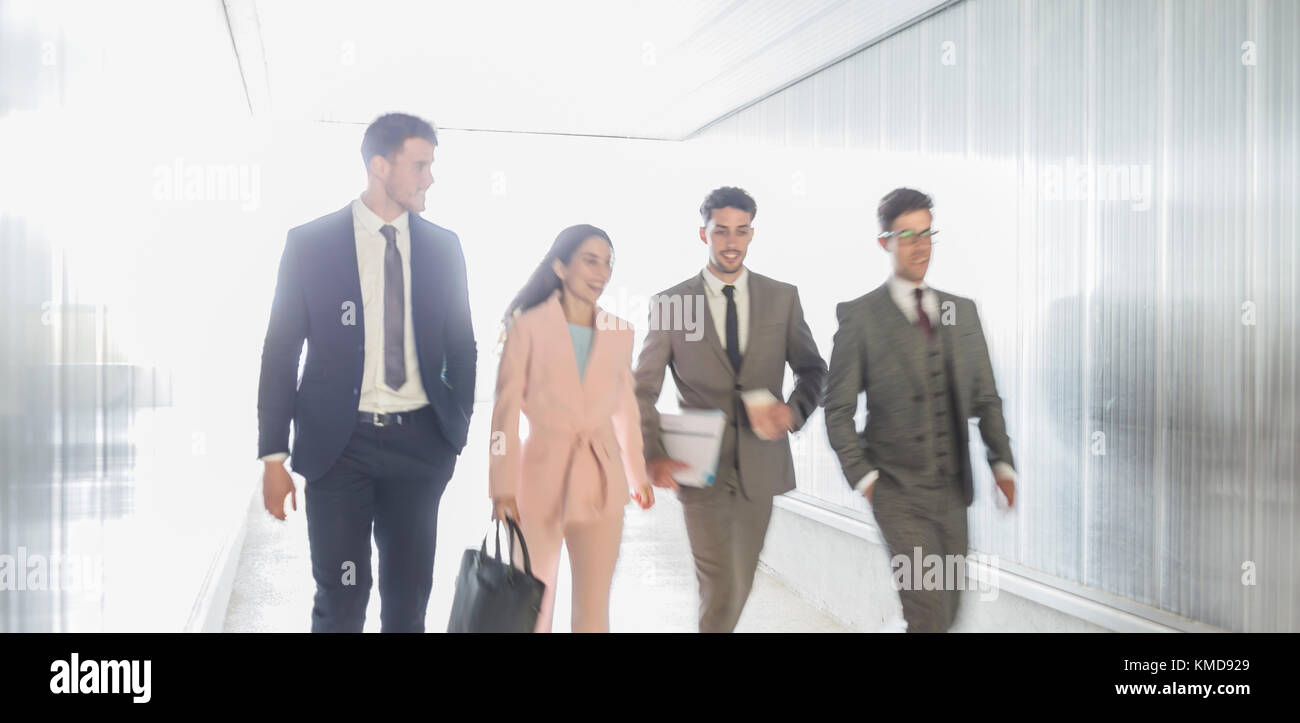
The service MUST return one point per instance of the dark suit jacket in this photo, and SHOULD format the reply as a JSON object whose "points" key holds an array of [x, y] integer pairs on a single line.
{"points": [[778, 335], [318, 276], [877, 350]]}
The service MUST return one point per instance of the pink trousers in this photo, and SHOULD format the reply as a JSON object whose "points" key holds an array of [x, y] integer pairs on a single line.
{"points": [[593, 552]]}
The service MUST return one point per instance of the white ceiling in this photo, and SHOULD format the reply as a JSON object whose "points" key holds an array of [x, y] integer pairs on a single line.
{"points": [[637, 68]]}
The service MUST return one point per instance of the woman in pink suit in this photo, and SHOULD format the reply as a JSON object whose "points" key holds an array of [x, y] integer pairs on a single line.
{"points": [[567, 365]]}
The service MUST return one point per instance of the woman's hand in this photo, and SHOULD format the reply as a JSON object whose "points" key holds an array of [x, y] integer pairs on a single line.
{"points": [[503, 507], [644, 495]]}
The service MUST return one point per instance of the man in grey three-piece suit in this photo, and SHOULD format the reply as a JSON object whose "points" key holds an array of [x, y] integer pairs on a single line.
{"points": [[753, 327], [920, 356]]}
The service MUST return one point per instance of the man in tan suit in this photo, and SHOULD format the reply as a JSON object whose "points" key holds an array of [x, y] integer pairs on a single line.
{"points": [[753, 327]]}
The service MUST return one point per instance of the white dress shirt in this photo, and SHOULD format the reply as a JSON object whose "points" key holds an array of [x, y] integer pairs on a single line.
{"points": [[903, 292], [376, 396], [370, 247], [713, 287], [718, 305]]}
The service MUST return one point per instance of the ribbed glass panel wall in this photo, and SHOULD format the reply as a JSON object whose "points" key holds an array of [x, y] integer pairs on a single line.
{"points": [[1135, 265]]}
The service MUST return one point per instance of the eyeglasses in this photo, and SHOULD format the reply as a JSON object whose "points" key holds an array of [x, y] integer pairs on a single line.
{"points": [[909, 237]]}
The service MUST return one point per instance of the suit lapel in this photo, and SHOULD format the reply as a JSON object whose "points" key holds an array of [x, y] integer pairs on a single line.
{"points": [[710, 327], [599, 344], [558, 329], [424, 285], [418, 249], [758, 309], [948, 334], [421, 287], [344, 240]]}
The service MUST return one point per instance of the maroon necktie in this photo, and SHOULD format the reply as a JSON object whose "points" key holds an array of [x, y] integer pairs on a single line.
{"points": [[921, 319]]}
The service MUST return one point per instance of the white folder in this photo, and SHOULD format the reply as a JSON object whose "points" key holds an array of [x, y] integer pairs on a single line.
{"points": [[695, 438]]}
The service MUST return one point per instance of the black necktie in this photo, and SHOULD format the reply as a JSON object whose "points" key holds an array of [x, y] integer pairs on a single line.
{"points": [[921, 319], [733, 327], [394, 313]]}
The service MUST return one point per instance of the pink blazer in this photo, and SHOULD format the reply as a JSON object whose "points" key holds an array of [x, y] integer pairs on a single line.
{"points": [[583, 452]]}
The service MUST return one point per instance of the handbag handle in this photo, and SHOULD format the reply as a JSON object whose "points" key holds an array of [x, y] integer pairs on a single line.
{"points": [[512, 530]]}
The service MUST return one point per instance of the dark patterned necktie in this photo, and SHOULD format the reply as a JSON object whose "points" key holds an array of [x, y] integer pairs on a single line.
{"points": [[394, 313], [921, 319], [733, 327]]}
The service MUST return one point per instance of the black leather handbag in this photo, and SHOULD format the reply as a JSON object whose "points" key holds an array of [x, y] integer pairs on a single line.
{"points": [[493, 596]]}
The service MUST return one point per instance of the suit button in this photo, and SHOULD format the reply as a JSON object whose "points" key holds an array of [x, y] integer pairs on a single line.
{"points": [[738, 388], [354, 391], [917, 398], [920, 438]]}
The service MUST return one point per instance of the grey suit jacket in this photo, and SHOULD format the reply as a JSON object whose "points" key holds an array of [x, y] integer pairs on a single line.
{"points": [[877, 350], [705, 380]]}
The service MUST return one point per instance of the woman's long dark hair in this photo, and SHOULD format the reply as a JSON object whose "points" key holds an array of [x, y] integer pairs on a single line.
{"points": [[543, 281]]}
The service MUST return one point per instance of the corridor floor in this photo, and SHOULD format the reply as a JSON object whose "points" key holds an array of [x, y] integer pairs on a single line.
{"points": [[654, 588]]}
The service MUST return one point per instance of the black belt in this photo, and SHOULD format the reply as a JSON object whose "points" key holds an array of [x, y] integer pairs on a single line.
{"points": [[380, 419]]}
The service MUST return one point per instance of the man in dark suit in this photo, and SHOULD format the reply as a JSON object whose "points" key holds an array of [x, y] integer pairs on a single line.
{"points": [[920, 356], [387, 389]]}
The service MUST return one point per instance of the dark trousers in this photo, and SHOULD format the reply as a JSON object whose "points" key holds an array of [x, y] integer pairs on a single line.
{"points": [[917, 521], [391, 478]]}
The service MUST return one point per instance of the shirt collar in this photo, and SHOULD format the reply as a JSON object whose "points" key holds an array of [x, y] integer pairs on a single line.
{"points": [[714, 285], [903, 290], [371, 222]]}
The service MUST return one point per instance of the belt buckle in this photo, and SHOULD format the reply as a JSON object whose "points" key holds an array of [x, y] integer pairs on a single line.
{"points": [[376, 419]]}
